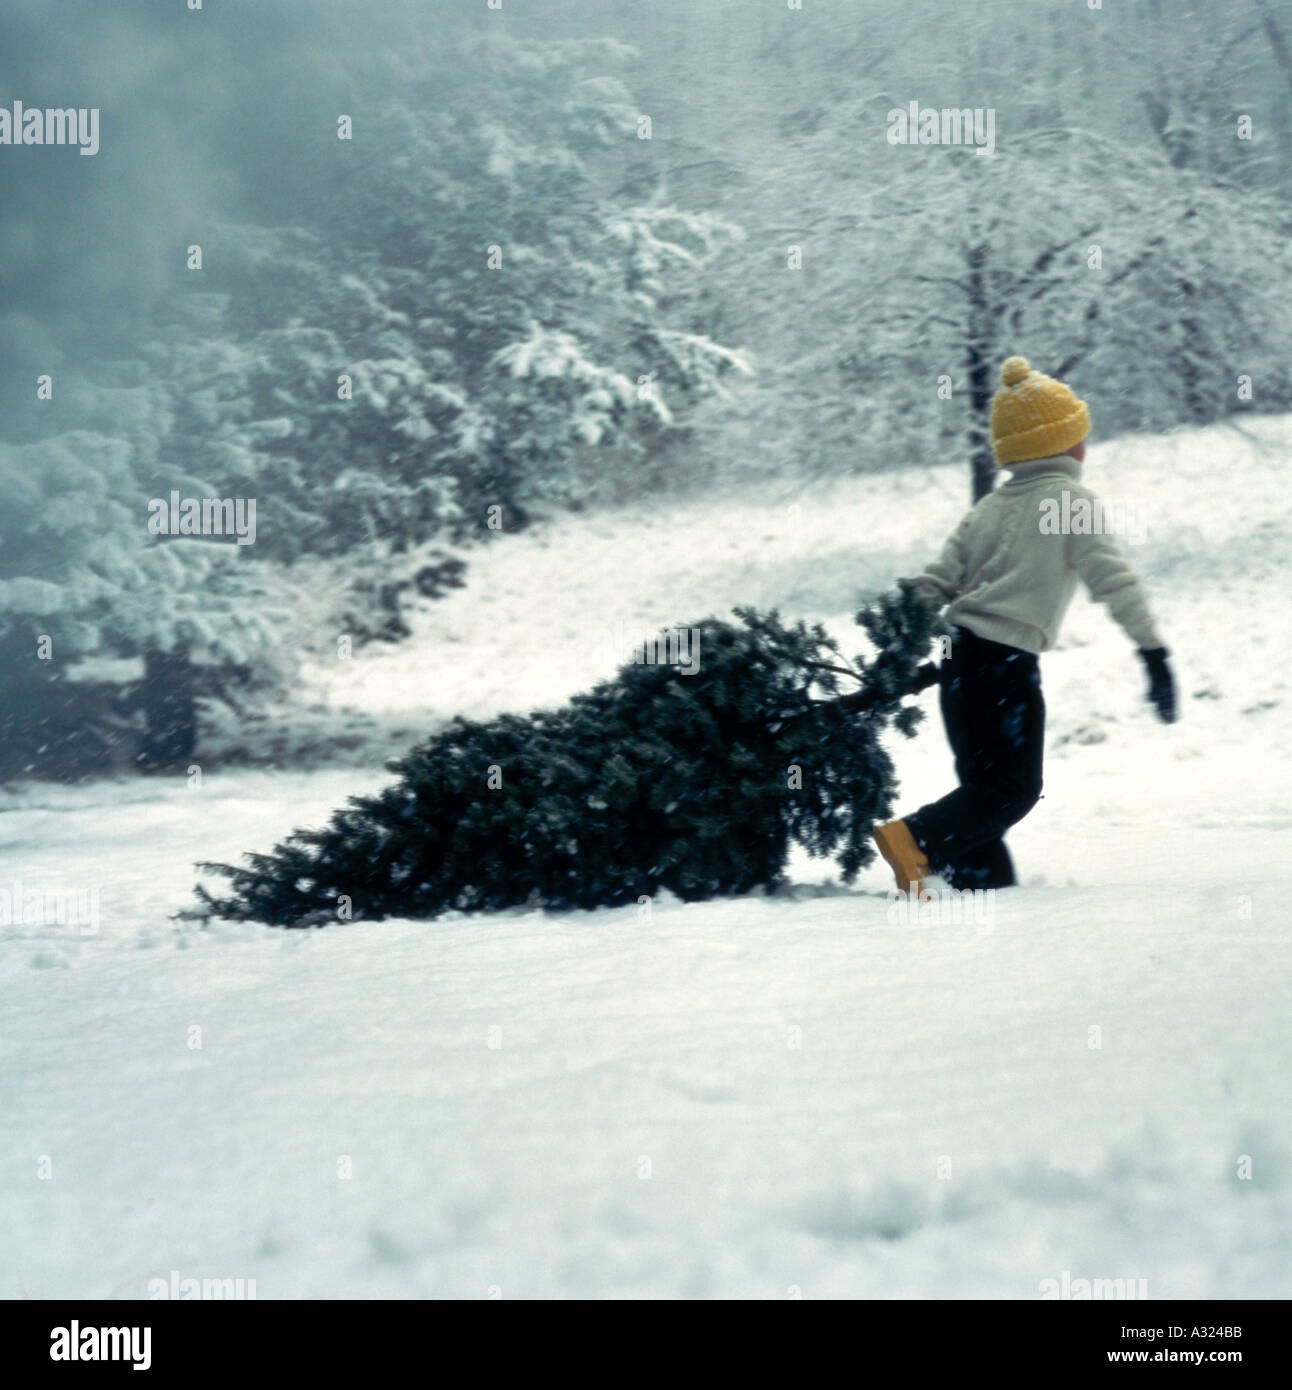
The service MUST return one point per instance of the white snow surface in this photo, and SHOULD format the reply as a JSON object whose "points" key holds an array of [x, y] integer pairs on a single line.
{"points": [[759, 1097]]}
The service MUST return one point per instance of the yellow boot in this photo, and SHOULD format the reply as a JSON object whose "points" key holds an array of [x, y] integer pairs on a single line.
{"points": [[905, 857]]}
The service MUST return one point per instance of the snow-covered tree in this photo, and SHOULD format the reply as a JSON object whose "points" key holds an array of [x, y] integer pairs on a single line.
{"points": [[474, 327], [564, 307], [81, 577], [1101, 262], [1124, 229]]}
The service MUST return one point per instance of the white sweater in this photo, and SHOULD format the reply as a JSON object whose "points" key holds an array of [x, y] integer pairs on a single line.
{"points": [[1009, 579]]}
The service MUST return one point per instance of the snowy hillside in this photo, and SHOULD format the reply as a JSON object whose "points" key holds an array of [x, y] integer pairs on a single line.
{"points": [[740, 1098]]}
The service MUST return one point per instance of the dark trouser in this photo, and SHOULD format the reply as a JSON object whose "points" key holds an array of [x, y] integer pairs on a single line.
{"points": [[995, 720]]}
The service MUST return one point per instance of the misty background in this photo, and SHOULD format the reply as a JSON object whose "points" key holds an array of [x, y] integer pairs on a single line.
{"points": [[539, 310]]}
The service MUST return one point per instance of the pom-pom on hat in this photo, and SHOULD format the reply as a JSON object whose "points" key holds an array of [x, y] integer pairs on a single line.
{"points": [[1033, 416]]}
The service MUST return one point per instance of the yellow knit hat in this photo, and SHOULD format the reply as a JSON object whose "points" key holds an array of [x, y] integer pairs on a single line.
{"points": [[1033, 416]]}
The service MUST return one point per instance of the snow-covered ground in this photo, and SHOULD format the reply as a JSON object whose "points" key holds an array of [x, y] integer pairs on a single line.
{"points": [[740, 1098]]}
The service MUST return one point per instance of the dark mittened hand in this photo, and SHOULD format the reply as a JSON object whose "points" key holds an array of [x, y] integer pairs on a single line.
{"points": [[1161, 684]]}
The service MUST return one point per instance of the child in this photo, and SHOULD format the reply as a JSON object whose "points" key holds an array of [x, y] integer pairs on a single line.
{"points": [[1007, 580]]}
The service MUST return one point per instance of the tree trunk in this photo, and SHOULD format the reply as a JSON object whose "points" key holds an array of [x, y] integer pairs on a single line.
{"points": [[980, 362], [1199, 409], [169, 703]]}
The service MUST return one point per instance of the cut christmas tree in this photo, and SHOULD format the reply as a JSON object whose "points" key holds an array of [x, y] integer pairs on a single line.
{"points": [[694, 779]]}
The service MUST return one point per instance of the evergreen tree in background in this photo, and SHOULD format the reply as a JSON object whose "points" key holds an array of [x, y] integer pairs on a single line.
{"points": [[656, 780], [468, 322], [82, 581]]}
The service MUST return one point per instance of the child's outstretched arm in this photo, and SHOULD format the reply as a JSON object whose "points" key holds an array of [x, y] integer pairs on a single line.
{"points": [[1110, 580]]}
